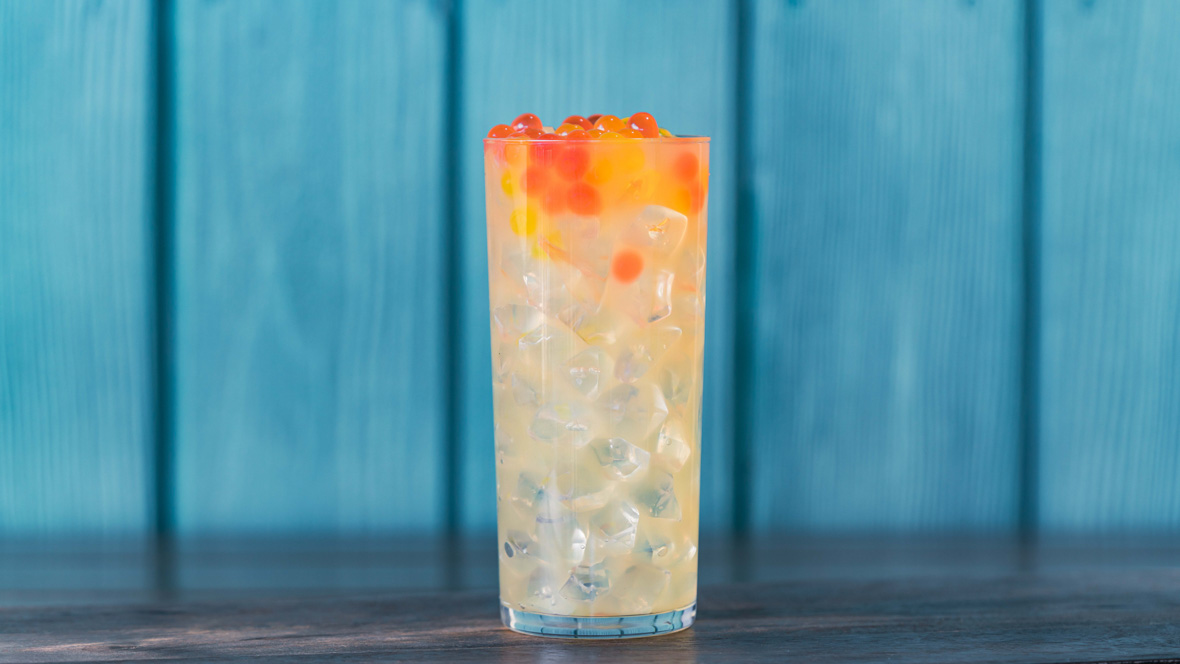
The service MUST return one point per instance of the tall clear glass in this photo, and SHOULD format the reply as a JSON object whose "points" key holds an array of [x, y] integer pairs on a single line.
{"points": [[596, 256]]}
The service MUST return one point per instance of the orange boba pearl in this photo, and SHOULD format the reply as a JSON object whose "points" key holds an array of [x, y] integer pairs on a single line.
{"points": [[601, 172], [553, 201], [544, 151], [527, 121], [534, 181], [697, 198], [626, 265], [579, 135], [572, 162], [567, 128], [584, 199], [610, 123], [500, 131], [578, 120], [630, 133], [594, 118], [686, 166], [527, 133], [645, 124], [681, 200]]}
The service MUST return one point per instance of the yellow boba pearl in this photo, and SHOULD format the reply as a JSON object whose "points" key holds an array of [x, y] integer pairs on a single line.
{"points": [[600, 171], [523, 221], [641, 188], [630, 158]]}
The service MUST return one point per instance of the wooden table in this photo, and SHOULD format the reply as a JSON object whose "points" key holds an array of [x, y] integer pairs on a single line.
{"points": [[771, 600]]}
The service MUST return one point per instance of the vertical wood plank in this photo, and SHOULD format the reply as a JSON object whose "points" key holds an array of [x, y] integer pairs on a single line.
{"points": [[674, 60], [75, 420], [886, 148], [1111, 266], [308, 293]]}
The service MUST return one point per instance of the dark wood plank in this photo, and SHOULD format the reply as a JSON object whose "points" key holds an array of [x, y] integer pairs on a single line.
{"points": [[672, 59], [885, 142], [309, 299], [1119, 615], [86, 571], [75, 267], [1111, 275]]}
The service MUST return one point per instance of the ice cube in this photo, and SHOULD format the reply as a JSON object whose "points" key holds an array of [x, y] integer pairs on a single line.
{"points": [[659, 498], [515, 265], [619, 458], [659, 229], [648, 299], [676, 378], [518, 554], [613, 529], [502, 362], [505, 449], [586, 583], [585, 246], [585, 370], [633, 362], [550, 344], [517, 543], [522, 391], [664, 337], [690, 270], [635, 410], [604, 326], [515, 320], [672, 450], [658, 549], [689, 307], [547, 291], [582, 492], [562, 421], [638, 589], [530, 493], [560, 538], [541, 588]]}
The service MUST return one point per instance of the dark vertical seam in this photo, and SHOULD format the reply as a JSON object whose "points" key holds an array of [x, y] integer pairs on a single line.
{"points": [[452, 265], [162, 219], [1029, 507], [745, 277]]}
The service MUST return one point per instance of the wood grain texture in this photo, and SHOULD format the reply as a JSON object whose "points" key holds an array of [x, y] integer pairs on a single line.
{"points": [[75, 267], [674, 60], [73, 571], [1027, 615], [1111, 266], [886, 155], [308, 299]]}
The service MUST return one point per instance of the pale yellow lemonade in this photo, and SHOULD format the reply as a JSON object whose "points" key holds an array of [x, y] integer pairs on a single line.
{"points": [[596, 254]]}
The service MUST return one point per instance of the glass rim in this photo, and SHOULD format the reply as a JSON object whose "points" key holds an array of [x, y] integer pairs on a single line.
{"points": [[562, 139]]}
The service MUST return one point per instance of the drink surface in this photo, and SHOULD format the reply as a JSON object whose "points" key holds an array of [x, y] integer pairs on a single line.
{"points": [[596, 255]]}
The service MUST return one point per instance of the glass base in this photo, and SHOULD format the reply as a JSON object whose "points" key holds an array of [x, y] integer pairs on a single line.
{"points": [[597, 627]]}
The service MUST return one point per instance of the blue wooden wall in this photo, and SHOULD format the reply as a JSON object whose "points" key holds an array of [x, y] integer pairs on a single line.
{"points": [[243, 277]]}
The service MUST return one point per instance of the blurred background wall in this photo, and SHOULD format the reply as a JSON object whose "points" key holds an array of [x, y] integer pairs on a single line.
{"points": [[243, 277]]}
